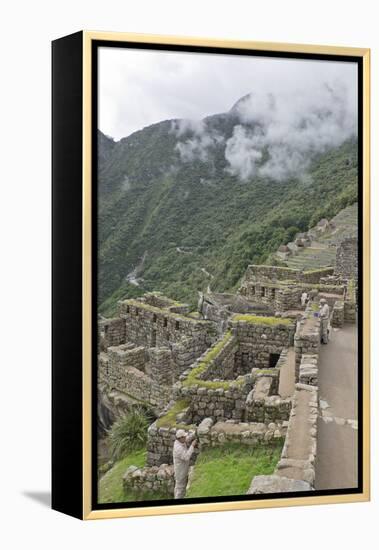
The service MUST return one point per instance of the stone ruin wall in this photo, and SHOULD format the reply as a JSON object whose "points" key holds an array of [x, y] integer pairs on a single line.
{"points": [[123, 370], [150, 479], [152, 327], [145, 350], [160, 444], [217, 403], [267, 285], [347, 259], [307, 338], [262, 340], [212, 434]]}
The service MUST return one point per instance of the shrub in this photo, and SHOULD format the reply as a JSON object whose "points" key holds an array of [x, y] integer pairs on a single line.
{"points": [[128, 434]]}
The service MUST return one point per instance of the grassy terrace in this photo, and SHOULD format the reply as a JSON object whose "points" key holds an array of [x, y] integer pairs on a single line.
{"points": [[228, 470], [169, 419], [194, 376], [258, 320], [167, 313], [110, 486]]}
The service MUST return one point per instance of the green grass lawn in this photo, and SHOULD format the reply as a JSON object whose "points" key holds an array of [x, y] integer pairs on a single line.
{"points": [[110, 487], [228, 470]]}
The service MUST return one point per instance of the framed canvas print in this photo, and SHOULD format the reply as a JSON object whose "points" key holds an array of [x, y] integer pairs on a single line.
{"points": [[210, 275]]}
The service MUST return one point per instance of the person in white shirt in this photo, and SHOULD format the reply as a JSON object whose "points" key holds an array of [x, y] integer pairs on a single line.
{"points": [[324, 316], [304, 299], [181, 455]]}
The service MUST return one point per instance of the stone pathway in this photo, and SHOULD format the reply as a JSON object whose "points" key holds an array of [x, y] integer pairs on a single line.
{"points": [[336, 466]]}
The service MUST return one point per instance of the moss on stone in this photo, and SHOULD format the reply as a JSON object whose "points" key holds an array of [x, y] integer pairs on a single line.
{"points": [[193, 379], [271, 372], [258, 320], [169, 419], [318, 270], [163, 311]]}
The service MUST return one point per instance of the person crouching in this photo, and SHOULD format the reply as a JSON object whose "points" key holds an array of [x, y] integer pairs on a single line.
{"points": [[181, 455]]}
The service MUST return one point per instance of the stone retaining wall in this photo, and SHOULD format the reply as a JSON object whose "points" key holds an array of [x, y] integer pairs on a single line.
{"points": [[218, 403], [347, 259], [308, 372], [150, 479], [114, 332], [338, 314], [262, 340], [160, 443], [262, 406], [307, 337], [247, 433], [150, 326], [122, 370], [293, 474]]}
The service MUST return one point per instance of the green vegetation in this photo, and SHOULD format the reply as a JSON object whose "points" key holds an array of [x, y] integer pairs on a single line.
{"points": [[194, 376], [169, 419], [110, 487], [228, 470], [257, 320], [180, 223], [128, 434]]}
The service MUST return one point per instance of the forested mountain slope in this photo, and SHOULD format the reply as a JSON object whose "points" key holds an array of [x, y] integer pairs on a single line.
{"points": [[178, 213]]}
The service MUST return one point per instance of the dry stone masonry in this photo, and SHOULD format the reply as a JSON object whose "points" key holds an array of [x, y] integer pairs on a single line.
{"points": [[217, 374]]}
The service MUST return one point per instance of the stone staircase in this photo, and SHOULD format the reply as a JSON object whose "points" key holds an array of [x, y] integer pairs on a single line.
{"points": [[323, 251]]}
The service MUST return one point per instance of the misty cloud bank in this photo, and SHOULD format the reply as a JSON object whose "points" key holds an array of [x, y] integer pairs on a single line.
{"points": [[198, 146], [279, 133]]}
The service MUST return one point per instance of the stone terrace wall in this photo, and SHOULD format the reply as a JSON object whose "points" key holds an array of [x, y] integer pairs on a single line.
{"points": [[160, 366], [150, 479], [308, 371], [122, 370], [288, 298], [314, 275], [222, 367], [247, 433], [185, 352], [272, 273], [262, 406], [289, 464], [150, 326], [160, 443], [114, 332], [338, 314], [217, 403], [294, 474], [347, 259], [262, 338], [307, 337]]}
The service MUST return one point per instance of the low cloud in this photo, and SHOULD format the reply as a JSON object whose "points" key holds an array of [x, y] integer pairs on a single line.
{"points": [[201, 140], [280, 133]]}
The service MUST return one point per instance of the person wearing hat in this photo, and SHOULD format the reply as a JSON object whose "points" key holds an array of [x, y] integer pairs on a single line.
{"points": [[324, 316], [182, 455]]}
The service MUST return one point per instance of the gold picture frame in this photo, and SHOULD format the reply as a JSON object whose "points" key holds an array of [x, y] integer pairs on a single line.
{"points": [[85, 42]]}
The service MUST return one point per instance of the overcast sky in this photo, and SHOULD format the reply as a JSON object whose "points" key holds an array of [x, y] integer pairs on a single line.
{"points": [[138, 88]]}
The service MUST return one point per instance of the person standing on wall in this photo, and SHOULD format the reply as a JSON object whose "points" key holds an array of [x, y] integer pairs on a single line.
{"points": [[324, 316], [181, 456]]}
